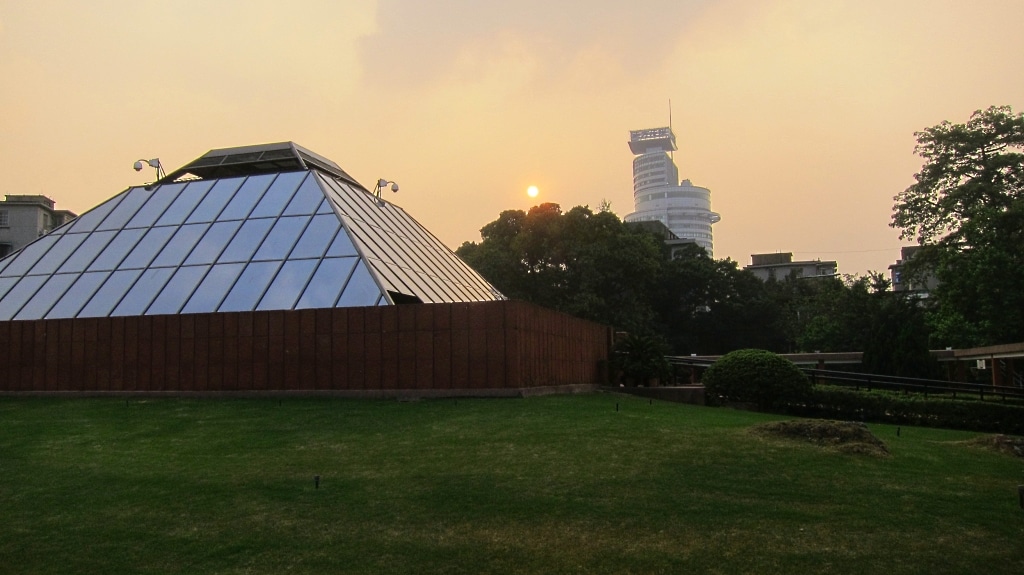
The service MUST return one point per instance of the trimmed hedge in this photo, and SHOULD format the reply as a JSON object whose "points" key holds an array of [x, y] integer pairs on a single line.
{"points": [[754, 376], [830, 402]]}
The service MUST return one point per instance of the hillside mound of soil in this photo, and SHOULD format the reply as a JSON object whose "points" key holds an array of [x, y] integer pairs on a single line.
{"points": [[1007, 444], [842, 436]]}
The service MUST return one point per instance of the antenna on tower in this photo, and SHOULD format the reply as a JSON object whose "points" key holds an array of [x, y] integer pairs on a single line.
{"points": [[670, 154]]}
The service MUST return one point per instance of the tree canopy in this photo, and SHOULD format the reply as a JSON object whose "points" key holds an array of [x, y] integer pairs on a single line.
{"points": [[966, 209]]}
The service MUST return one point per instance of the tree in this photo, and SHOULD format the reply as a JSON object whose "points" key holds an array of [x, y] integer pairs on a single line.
{"points": [[966, 209]]}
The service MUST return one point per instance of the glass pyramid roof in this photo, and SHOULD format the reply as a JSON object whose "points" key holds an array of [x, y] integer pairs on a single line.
{"points": [[275, 234]]}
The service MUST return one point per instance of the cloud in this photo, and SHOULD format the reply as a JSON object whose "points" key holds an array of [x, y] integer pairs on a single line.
{"points": [[420, 43]]}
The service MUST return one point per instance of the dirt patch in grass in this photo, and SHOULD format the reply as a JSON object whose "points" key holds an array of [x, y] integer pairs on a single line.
{"points": [[1008, 444], [842, 436]]}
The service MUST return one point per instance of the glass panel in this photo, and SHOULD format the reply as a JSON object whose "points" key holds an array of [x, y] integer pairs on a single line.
{"points": [[215, 201], [159, 199], [327, 282], [104, 301], [325, 207], [342, 246], [47, 295], [60, 252], [306, 200], [185, 203], [88, 221], [17, 297], [278, 196], [361, 290], [28, 256], [115, 251], [87, 252], [288, 284], [6, 284], [178, 290], [209, 294], [246, 240], [126, 209], [77, 295], [246, 197], [213, 243], [317, 237], [143, 292], [250, 286], [180, 245], [281, 239], [147, 249]]}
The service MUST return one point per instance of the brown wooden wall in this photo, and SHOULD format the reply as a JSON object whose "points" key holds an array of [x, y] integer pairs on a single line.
{"points": [[481, 345]]}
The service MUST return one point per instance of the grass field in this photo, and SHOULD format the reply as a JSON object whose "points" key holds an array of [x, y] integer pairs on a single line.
{"points": [[543, 485]]}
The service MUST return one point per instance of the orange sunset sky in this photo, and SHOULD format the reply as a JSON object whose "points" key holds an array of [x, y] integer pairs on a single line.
{"points": [[799, 115]]}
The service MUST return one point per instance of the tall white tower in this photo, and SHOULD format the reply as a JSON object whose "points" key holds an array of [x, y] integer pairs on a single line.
{"points": [[659, 195]]}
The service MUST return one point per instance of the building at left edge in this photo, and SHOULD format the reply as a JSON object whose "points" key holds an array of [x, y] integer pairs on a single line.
{"points": [[23, 218], [268, 267]]}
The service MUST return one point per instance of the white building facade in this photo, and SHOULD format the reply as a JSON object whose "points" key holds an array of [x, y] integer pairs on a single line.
{"points": [[658, 195]]}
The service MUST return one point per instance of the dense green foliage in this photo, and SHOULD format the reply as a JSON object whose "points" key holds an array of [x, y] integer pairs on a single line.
{"points": [[641, 360], [754, 376], [544, 485], [966, 209], [990, 416]]}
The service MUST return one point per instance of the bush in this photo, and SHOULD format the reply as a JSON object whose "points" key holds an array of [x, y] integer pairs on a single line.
{"points": [[641, 359], [754, 376], [911, 409]]}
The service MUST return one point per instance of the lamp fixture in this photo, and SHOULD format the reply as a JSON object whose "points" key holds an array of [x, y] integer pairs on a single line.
{"points": [[154, 163], [379, 188]]}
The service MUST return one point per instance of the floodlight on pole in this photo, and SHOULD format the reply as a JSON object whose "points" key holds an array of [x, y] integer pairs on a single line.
{"points": [[154, 163], [379, 188]]}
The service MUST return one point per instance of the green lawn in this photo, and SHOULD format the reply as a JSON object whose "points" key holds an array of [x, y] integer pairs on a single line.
{"points": [[544, 485]]}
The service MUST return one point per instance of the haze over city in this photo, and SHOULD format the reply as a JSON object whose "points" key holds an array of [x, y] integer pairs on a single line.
{"points": [[799, 115]]}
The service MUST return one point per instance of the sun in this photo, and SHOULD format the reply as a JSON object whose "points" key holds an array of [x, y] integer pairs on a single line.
{"points": [[532, 191]]}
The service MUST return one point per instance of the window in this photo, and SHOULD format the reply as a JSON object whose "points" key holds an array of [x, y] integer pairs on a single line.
{"points": [[4, 219]]}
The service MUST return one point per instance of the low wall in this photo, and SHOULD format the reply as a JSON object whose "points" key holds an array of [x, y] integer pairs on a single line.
{"points": [[482, 345], [692, 394]]}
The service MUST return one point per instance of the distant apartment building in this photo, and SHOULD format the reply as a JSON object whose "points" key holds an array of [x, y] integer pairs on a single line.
{"points": [[25, 218], [780, 266], [658, 195], [920, 285]]}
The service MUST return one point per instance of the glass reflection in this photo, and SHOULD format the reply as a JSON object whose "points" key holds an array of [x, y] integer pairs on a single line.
{"points": [[159, 199], [146, 250], [317, 237], [306, 200], [246, 197], [18, 295], [327, 282], [214, 201], [88, 221], [87, 252], [361, 290], [110, 294], [60, 251], [28, 256], [278, 196], [47, 295], [281, 239], [342, 246], [77, 295], [209, 294], [250, 286], [143, 292], [126, 209], [177, 291], [207, 250], [246, 240], [288, 284], [185, 203], [117, 249], [180, 245]]}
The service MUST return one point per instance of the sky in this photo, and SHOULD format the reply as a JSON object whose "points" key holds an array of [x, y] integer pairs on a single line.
{"points": [[798, 115]]}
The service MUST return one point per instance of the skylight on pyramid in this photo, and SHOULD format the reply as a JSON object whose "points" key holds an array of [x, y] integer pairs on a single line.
{"points": [[270, 227]]}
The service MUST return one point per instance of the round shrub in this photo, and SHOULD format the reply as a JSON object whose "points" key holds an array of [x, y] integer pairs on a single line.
{"points": [[754, 376]]}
